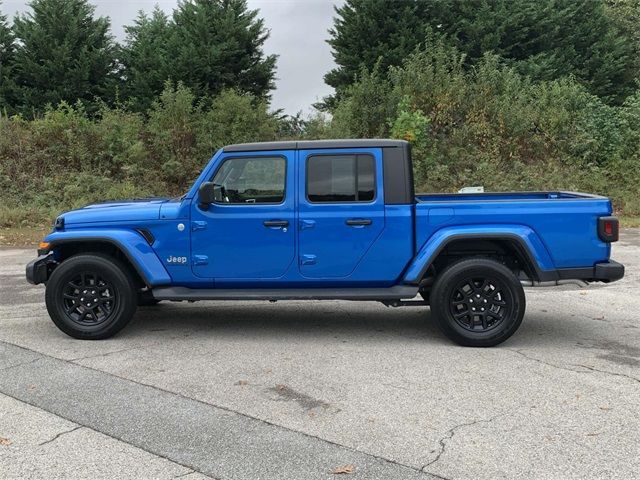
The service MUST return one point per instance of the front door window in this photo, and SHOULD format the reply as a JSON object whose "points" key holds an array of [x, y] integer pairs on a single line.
{"points": [[251, 180]]}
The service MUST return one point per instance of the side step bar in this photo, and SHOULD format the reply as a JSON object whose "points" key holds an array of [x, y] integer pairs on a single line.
{"points": [[397, 292]]}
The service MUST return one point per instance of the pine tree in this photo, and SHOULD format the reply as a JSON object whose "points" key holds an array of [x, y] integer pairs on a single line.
{"points": [[545, 39], [145, 58], [7, 84], [218, 44], [63, 53], [625, 14], [369, 31]]}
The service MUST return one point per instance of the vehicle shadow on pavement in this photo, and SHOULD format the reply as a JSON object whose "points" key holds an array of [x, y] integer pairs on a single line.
{"points": [[328, 319], [331, 321], [288, 320]]}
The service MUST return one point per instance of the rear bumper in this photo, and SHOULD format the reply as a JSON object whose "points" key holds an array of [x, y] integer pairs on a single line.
{"points": [[38, 270], [606, 272]]}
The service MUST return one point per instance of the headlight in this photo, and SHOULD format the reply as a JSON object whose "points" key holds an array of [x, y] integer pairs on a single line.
{"points": [[59, 224]]}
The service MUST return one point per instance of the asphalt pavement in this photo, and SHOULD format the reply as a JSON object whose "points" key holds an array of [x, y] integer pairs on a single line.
{"points": [[304, 390]]}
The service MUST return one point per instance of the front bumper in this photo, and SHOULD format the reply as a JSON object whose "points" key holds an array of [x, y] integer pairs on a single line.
{"points": [[38, 270]]}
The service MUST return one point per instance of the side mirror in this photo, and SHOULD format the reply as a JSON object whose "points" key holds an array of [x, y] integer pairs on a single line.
{"points": [[207, 194]]}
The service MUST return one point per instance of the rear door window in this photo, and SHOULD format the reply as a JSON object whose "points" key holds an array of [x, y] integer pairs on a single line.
{"points": [[340, 178]]}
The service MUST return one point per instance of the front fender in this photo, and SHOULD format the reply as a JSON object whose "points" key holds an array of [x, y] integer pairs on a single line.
{"points": [[129, 242], [526, 238]]}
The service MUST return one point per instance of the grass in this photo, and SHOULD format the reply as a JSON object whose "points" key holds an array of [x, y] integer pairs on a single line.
{"points": [[22, 236], [629, 221]]}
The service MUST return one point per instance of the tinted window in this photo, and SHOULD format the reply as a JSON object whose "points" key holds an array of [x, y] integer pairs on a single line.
{"points": [[340, 178], [251, 180]]}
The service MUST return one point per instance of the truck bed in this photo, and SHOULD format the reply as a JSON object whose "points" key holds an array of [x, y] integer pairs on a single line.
{"points": [[501, 196], [563, 223]]}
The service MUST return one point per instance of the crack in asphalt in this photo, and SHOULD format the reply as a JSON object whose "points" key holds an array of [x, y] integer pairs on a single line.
{"points": [[581, 366], [60, 434], [19, 364], [519, 352], [449, 435], [221, 407], [616, 374], [98, 355], [185, 474], [397, 387], [195, 472], [96, 430]]}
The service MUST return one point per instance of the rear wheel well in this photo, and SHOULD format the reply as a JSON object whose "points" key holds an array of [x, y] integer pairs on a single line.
{"points": [[69, 249], [509, 252]]}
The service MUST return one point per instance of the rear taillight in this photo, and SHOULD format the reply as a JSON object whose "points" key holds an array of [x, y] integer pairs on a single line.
{"points": [[608, 229]]}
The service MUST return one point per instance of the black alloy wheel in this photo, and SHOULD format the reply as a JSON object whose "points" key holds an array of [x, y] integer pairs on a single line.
{"points": [[480, 304], [91, 296], [477, 302], [89, 299]]}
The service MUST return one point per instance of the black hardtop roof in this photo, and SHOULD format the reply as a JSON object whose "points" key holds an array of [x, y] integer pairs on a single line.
{"points": [[314, 144]]}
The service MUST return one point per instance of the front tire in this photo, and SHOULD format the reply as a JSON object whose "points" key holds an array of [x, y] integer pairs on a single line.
{"points": [[91, 296], [477, 302]]}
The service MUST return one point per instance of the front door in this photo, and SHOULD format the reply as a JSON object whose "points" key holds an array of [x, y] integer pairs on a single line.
{"points": [[249, 231], [341, 210]]}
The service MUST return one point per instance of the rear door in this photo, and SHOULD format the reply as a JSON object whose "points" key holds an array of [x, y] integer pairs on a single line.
{"points": [[341, 209], [248, 232]]}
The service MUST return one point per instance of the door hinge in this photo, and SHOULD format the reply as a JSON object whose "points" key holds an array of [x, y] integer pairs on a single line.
{"points": [[200, 260], [307, 259], [198, 225]]}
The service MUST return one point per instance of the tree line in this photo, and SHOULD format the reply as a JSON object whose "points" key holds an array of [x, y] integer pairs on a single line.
{"points": [[596, 42], [61, 51], [509, 94]]}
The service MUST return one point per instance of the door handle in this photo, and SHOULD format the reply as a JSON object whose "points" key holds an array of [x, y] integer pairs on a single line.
{"points": [[358, 222], [306, 224], [276, 223]]}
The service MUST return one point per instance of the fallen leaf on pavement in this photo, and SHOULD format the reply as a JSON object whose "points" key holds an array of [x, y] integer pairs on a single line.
{"points": [[242, 382], [344, 469], [5, 441]]}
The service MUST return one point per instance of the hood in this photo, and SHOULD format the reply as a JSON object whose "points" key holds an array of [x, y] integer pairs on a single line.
{"points": [[137, 209]]}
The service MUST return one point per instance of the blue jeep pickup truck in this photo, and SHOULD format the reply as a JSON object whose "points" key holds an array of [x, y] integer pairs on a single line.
{"points": [[334, 219]]}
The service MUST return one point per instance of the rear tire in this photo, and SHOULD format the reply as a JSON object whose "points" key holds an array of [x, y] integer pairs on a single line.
{"points": [[477, 302], [91, 296]]}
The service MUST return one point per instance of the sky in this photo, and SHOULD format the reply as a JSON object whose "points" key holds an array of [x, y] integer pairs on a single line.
{"points": [[298, 35]]}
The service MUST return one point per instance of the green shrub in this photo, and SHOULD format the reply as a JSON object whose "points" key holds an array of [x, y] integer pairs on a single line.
{"points": [[491, 126], [65, 159], [488, 125]]}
